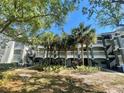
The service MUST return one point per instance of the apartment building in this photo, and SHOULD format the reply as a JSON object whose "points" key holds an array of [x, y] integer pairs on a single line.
{"points": [[109, 49], [108, 52]]}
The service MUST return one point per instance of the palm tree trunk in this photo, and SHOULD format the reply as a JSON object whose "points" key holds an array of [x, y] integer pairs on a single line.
{"points": [[88, 56], [50, 56], [82, 54], [58, 53], [59, 56], [54, 52], [46, 63], [65, 56], [44, 53], [73, 55], [47, 52], [54, 49]]}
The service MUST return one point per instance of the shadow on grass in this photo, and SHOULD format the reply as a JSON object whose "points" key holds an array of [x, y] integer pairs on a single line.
{"points": [[54, 84]]}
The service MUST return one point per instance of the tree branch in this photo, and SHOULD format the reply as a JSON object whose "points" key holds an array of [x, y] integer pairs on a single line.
{"points": [[119, 1], [30, 18], [23, 20], [6, 25]]}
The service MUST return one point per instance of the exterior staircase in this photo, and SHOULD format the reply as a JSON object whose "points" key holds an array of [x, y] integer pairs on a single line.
{"points": [[113, 63]]}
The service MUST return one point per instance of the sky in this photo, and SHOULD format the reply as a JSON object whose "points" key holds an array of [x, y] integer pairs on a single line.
{"points": [[75, 18]]}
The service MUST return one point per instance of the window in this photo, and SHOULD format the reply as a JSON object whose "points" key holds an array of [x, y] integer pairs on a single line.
{"points": [[17, 52]]}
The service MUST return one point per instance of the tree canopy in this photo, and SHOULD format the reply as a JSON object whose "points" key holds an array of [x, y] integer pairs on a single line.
{"points": [[105, 12], [23, 19]]}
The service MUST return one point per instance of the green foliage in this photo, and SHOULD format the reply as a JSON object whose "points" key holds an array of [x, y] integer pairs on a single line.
{"points": [[104, 11], [84, 34], [6, 77], [9, 75], [64, 70], [90, 37], [24, 19], [87, 69], [7, 66], [55, 69]]}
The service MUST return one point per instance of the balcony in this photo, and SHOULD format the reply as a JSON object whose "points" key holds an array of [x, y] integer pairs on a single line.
{"points": [[111, 56], [18, 48], [98, 44], [108, 42], [85, 54], [40, 54], [16, 58], [99, 54]]}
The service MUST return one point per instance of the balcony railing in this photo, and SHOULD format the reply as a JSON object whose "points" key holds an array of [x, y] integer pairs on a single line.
{"points": [[99, 54], [111, 56], [98, 44], [108, 41]]}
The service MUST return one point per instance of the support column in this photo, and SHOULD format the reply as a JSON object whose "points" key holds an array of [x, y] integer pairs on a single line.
{"points": [[115, 53], [105, 50], [120, 43], [9, 53], [92, 56], [24, 53], [105, 47]]}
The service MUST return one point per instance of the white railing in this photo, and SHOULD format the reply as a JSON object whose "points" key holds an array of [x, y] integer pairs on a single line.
{"points": [[97, 45], [99, 54], [108, 41], [99, 42], [111, 56]]}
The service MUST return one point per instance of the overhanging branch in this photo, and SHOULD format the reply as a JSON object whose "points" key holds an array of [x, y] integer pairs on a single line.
{"points": [[6, 25], [26, 19]]}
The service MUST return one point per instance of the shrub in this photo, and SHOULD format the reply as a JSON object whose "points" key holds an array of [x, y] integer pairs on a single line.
{"points": [[87, 69], [6, 66], [62, 69], [9, 75]]}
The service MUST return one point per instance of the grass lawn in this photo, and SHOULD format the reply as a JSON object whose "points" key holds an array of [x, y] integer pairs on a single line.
{"points": [[64, 81]]}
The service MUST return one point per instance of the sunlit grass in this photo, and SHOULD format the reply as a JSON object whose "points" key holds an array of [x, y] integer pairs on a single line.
{"points": [[65, 70], [45, 83], [47, 79]]}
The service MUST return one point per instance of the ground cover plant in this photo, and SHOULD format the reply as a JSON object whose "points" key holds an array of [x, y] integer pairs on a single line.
{"points": [[63, 69]]}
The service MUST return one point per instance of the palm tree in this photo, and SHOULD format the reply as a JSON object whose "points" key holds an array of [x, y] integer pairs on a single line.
{"points": [[80, 32], [55, 42], [90, 38], [74, 33], [43, 39], [47, 39], [64, 44]]}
